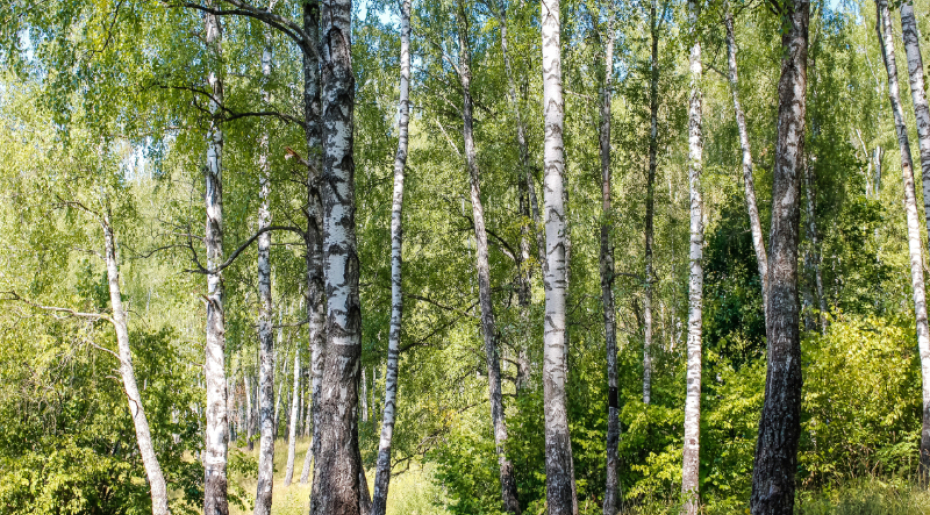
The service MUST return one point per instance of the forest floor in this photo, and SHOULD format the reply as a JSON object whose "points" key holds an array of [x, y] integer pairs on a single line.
{"points": [[411, 493]]}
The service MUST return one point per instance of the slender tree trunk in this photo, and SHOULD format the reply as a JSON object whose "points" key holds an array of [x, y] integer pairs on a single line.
{"points": [[383, 469], [250, 425], [277, 402], [215, 445], [611, 490], [780, 426], [560, 481], [813, 258], [316, 305], [488, 325], [295, 421], [650, 199], [691, 464], [886, 38], [915, 71], [337, 466], [265, 481], [153, 472], [363, 396], [758, 242]]}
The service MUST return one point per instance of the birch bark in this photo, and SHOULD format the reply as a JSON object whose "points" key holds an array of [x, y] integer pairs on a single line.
{"points": [[749, 189], [690, 470], [383, 469], [650, 198], [915, 73], [560, 481], [611, 492], [316, 305], [265, 481], [488, 326], [775, 464], [337, 468], [215, 445], [295, 421], [153, 472]]}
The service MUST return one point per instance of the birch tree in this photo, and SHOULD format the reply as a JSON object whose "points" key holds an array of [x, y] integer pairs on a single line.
{"points": [[654, 26], [488, 326], [560, 480], [383, 467], [336, 467], [691, 463], [749, 189], [215, 445], [915, 73], [294, 422], [780, 426], [886, 40]]}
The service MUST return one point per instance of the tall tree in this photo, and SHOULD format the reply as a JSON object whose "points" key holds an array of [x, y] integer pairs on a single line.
{"points": [[265, 481], [749, 189], [337, 467], [780, 426], [383, 471], [488, 326], [215, 445], [915, 73], [560, 480], [691, 463], [654, 26], [886, 40], [611, 490]]}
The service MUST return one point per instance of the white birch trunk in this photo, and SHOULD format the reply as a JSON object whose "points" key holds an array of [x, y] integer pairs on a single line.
{"points": [[295, 421], [217, 428], [336, 489], [915, 71], [755, 226], [363, 396], [650, 199], [560, 481], [265, 481], [690, 470], [153, 472], [886, 39], [383, 467]]}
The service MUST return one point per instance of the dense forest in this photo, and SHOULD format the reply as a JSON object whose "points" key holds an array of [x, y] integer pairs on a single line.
{"points": [[464, 257]]}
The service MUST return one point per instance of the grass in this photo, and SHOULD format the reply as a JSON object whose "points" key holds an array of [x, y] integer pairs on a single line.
{"points": [[411, 493], [869, 497]]}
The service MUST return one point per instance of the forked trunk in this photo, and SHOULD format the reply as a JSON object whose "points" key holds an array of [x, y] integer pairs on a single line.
{"points": [[560, 481], [775, 464], [337, 467]]}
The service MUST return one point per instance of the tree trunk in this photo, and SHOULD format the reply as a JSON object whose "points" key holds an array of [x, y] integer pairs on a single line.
{"points": [[295, 421], [316, 305], [611, 491], [383, 468], [560, 479], [780, 426], [363, 396], [265, 481], [813, 259], [215, 444], [915, 70], [758, 242], [153, 472], [249, 426], [337, 467], [691, 464], [488, 325], [277, 401], [886, 38], [650, 199]]}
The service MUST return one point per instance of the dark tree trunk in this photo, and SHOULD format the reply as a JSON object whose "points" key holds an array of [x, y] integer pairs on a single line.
{"points": [[773, 481]]}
